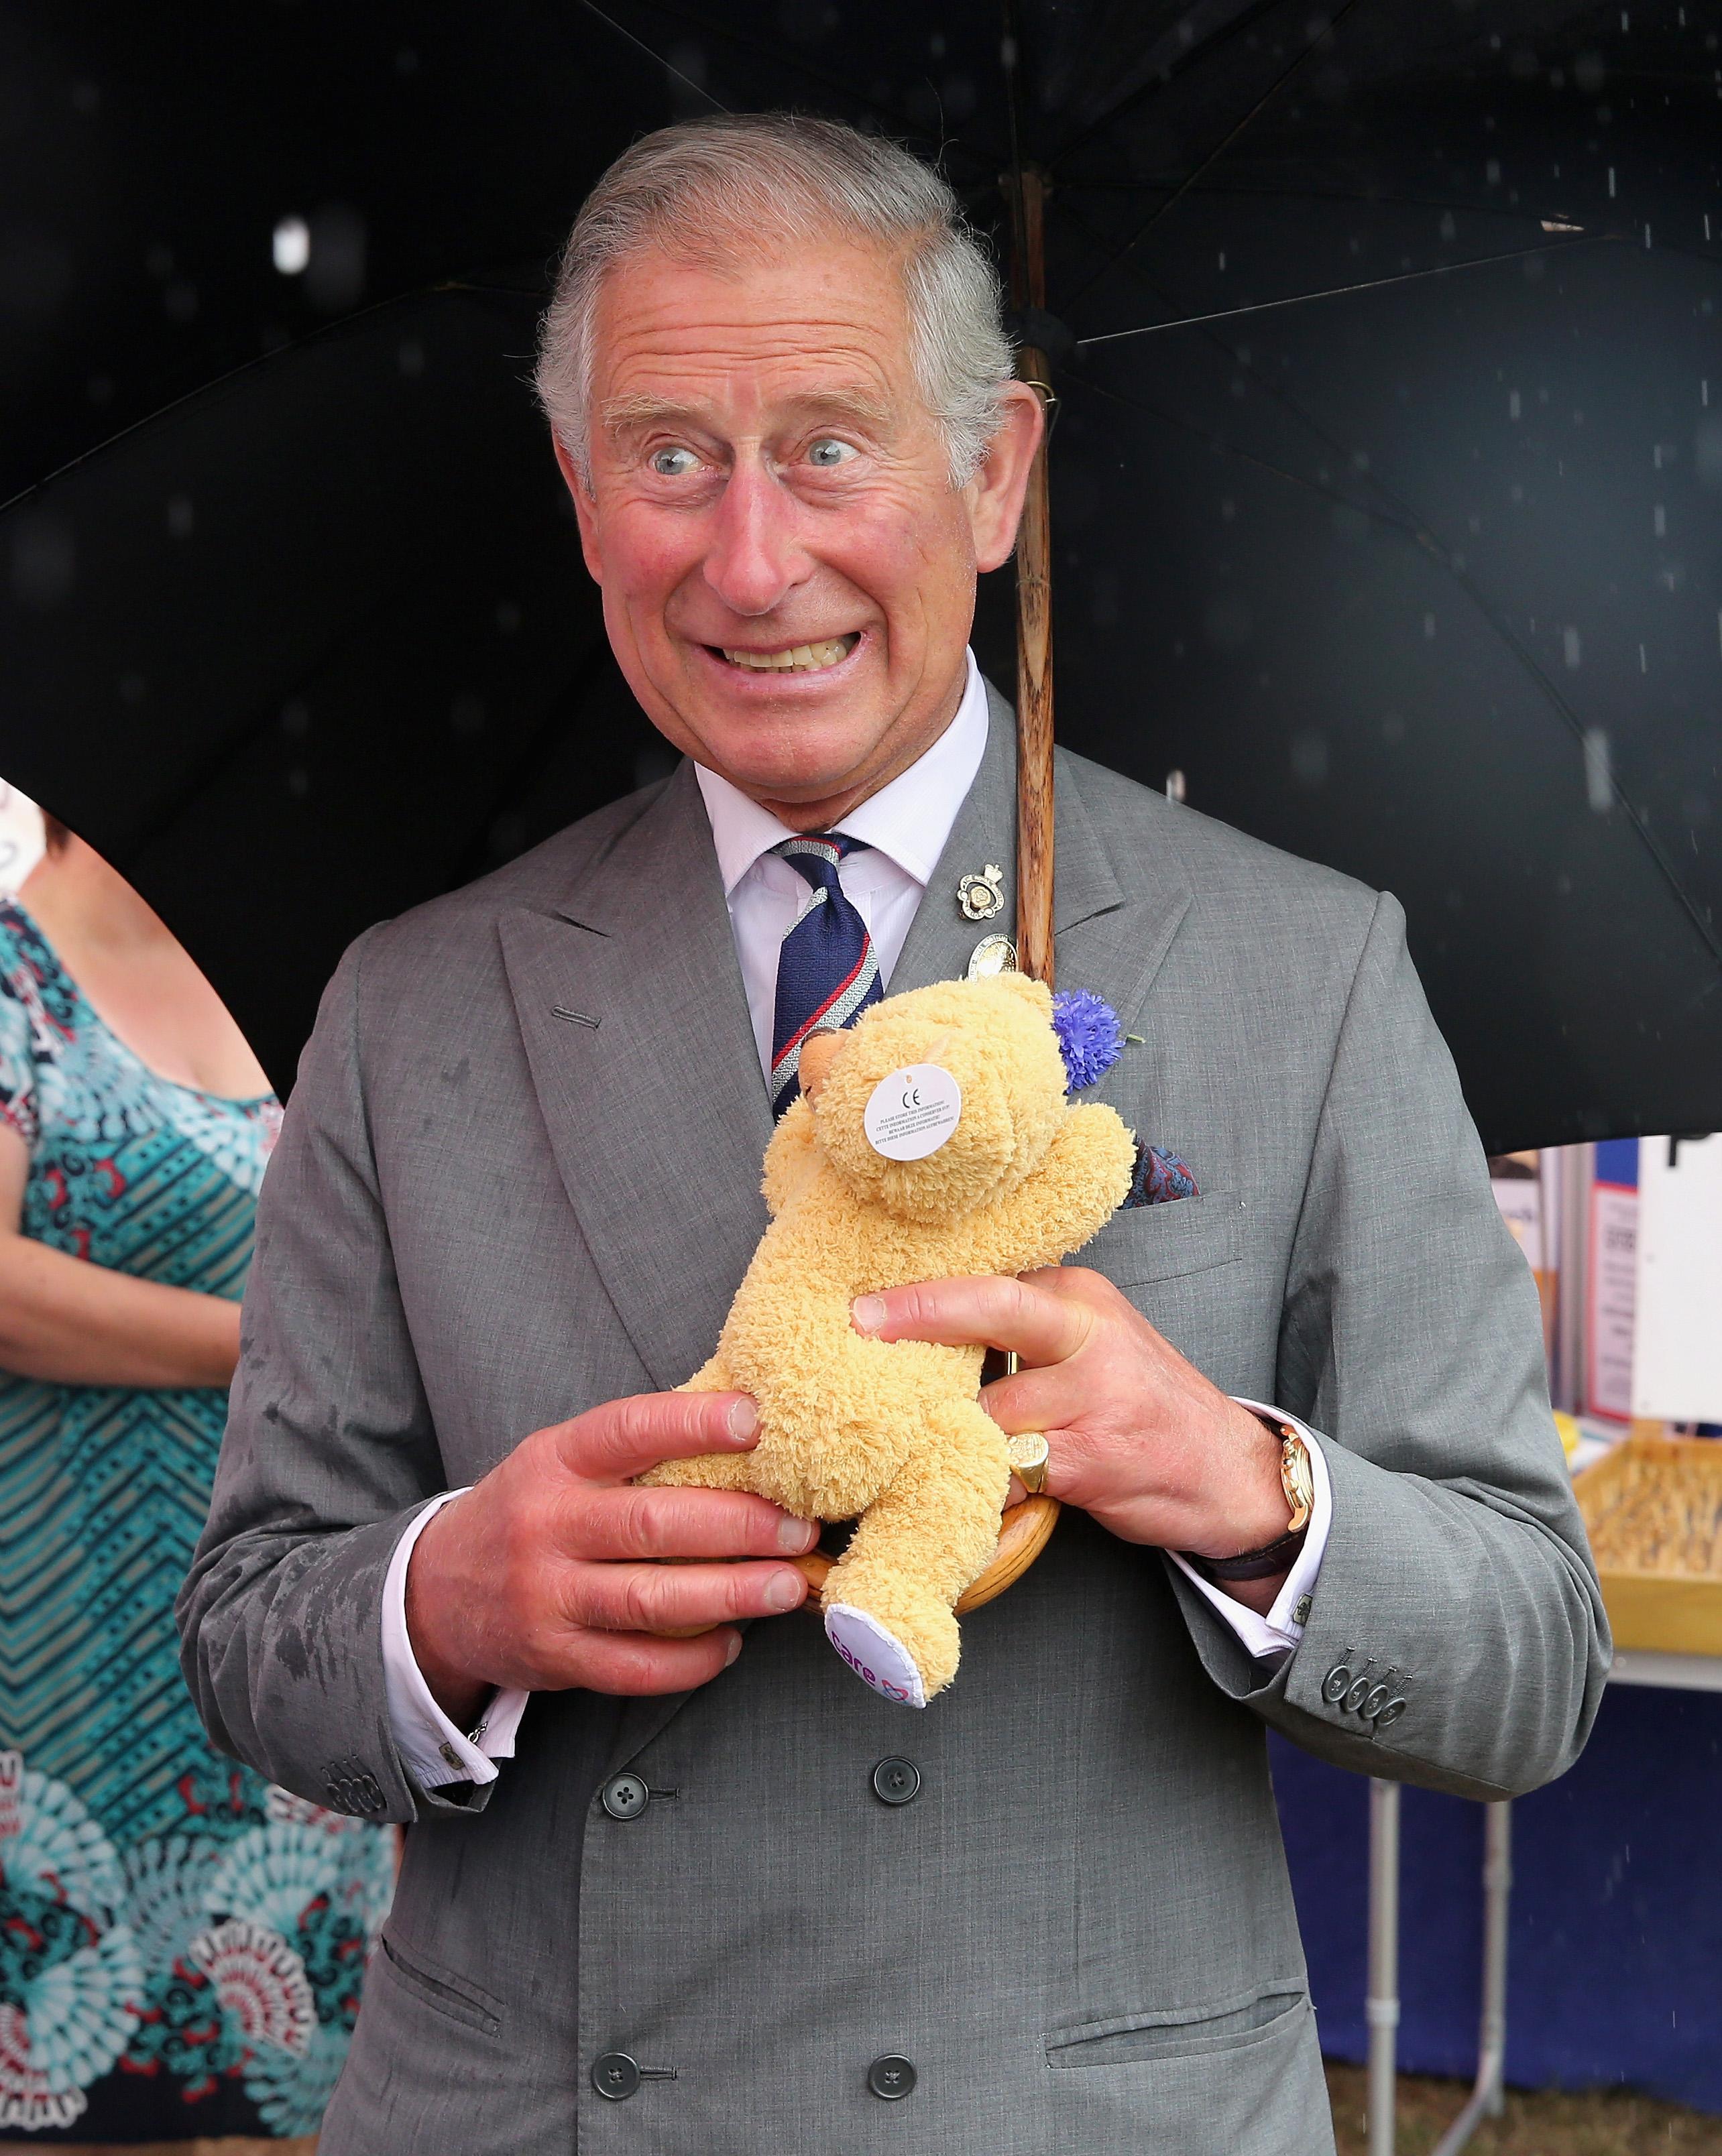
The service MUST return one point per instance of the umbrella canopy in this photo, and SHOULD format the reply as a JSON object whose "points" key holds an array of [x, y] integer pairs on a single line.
{"points": [[1419, 578]]}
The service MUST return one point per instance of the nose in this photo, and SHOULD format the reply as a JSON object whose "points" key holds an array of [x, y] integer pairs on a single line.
{"points": [[755, 558]]}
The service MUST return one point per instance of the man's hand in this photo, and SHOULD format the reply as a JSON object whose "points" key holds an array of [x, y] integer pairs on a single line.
{"points": [[545, 1574], [1136, 1435]]}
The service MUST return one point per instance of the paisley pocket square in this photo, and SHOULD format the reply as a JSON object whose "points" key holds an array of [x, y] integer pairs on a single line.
{"points": [[1158, 1179]]}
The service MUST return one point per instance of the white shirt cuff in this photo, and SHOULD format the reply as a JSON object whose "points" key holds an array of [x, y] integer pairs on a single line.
{"points": [[1273, 1637], [434, 1751]]}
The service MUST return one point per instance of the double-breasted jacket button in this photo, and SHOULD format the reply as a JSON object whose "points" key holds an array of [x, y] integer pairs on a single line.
{"points": [[624, 1797], [615, 2076], [1389, 1714], [1335, 1684], [891, 2077], [897, 1781]]}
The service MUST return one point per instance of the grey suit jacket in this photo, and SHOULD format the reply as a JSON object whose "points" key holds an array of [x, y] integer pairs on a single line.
{"points": [[519, 1175]]}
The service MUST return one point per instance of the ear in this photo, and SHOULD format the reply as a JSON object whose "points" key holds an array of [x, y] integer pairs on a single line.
{"points": [[585, 511], [995, 495]]}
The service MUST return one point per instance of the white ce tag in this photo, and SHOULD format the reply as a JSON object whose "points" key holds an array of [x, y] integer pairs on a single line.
{"points": [[913, 1112]]}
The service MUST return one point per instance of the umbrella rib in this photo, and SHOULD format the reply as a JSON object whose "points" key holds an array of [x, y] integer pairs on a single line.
{"points": [[639, 44], [1339, 291], [1322, 31], [1162, 79], [1410, 525], [797, 65]]}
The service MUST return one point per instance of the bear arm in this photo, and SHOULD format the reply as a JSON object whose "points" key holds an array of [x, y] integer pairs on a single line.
{"points": [[792, 1157], [1071, 1196]]}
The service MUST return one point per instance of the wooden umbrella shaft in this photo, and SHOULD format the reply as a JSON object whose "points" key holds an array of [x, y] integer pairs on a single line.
{"points": [[1034, 636]]}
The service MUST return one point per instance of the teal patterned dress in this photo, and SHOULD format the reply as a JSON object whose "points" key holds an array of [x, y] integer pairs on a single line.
{"points": [[182, 1945]]}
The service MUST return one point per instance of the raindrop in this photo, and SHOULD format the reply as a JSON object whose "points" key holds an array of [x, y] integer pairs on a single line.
{"points": [[1570, 648], [1643, 663], [1429, 628], [291, 245], [1309, 759], [182, 517], [1492, 173], [1599, 788], [1449, 230], [1222, 259], [1175, 785], [1706, 451], [1659, 521], [44, 558], [1513, 404], [1611, 183]]}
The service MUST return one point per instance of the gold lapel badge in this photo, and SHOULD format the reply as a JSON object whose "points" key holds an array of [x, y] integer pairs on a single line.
{"points": [[981, 896]]}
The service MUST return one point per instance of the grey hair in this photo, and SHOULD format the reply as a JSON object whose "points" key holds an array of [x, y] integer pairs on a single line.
{"points": [[722, 190]]}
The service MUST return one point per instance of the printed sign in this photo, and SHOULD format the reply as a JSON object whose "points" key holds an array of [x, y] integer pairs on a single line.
{"points": [[1613, 1281]]}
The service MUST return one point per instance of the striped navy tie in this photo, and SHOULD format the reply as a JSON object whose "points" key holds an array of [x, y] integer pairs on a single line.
{"points": [[827, 973]]}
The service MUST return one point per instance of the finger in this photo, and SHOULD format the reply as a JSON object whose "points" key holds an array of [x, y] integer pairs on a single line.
{"points": [[1043, 1399], [663, 1598], [985, 1312], [636, 1665], [682, 1521], [623, 1437], [1015, 1494]]}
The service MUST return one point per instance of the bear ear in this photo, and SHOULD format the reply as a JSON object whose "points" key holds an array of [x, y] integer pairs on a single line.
{"points": [[1089, 1037]]}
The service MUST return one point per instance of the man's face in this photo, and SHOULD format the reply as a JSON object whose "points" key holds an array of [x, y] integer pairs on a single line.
{"points": [[768, 485]]}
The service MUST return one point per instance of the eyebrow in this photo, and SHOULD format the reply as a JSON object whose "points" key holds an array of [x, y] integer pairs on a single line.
{"points": [[635, 414]]}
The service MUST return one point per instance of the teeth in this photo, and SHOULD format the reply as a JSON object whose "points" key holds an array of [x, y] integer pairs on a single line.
{"points": [[796, 658]]}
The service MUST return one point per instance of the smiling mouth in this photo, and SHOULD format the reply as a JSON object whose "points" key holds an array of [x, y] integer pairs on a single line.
{"points": [[794, 658]]}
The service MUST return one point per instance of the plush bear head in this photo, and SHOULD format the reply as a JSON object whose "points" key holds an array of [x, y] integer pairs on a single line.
{"points": [[994, 1038]]}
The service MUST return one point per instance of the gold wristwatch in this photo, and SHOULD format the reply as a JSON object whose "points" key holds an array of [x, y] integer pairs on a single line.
{"points": [[1298, 1479]]}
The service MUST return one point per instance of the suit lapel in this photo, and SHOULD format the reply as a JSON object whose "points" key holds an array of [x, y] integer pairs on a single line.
{"points": [[630, 1004], [1110, 940]]}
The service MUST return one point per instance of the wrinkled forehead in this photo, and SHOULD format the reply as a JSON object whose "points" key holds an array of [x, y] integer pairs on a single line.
{"points": [[821, 323]]}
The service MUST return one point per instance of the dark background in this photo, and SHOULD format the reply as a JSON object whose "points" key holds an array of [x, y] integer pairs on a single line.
{"points": [[1424, 581]]}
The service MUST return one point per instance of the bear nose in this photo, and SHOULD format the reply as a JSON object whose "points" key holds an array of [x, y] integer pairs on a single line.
{"points": [[817, 1051]]}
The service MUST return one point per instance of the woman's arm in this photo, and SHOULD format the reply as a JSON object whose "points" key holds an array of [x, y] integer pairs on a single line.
{"points": [[78, 1324]]}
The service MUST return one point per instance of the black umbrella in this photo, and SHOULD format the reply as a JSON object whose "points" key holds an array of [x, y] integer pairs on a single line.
{"points": [[1418, 578]]}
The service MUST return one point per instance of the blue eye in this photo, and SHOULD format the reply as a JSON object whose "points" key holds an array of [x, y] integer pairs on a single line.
{"points": [[673, 464], [828, 452]]}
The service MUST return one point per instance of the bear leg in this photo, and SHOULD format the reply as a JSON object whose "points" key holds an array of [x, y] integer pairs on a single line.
{"points": [[889, 1600]]}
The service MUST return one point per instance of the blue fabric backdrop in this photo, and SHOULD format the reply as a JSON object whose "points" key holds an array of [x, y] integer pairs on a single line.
{"points": [[1615, 1965]]}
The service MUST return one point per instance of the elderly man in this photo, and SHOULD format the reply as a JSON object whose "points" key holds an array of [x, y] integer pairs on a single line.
{"points": [[710, 1894]]}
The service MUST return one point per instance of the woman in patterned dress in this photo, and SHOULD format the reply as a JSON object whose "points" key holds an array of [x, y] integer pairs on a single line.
{"points": [[182, 1946]]}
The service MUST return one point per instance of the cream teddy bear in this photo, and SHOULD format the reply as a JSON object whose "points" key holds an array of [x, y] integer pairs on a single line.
{"points": [[933, 1140]]}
